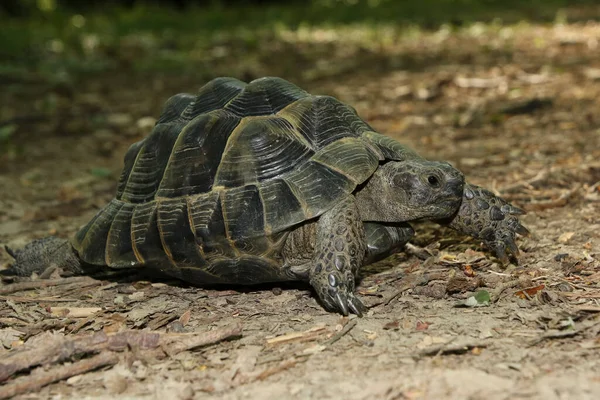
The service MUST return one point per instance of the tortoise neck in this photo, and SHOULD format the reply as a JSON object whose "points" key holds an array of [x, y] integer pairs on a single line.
{"points": [[371, 199]]}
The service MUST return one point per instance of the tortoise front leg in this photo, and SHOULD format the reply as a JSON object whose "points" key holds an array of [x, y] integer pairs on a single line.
{"points": [[384, 240], [488, 217], [339, 253]]}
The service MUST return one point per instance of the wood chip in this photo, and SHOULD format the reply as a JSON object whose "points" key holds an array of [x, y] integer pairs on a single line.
{"points": [[74, 312]]}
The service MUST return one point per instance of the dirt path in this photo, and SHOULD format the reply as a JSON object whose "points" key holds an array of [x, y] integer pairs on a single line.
{"points": [[515, 109]]}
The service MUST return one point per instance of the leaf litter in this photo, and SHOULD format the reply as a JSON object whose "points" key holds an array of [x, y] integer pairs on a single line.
{"points": [[516, 113]]}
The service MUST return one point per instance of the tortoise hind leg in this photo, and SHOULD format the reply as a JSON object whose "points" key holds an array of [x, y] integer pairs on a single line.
{"points": [[339, 253], [383, 240]]}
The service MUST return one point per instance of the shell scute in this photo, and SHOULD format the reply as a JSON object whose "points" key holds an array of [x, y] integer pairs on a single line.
{"points": [[176, 234], [119, 248], [265, 96], [213, 96], [226, 169], [260, 149], [206, 219], [243, 212]]}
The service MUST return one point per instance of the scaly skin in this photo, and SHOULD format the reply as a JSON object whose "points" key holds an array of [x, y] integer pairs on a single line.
{"points": [[43, 253], [384, 240], [488, 217], [340, 250]]}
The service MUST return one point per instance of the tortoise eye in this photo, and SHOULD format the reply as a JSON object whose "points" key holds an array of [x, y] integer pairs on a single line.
{"points": [[433, 180]]}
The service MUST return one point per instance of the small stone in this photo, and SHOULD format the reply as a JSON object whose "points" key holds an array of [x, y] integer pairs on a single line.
{"points": [[561, 256], [277, 291], [176, 327]]}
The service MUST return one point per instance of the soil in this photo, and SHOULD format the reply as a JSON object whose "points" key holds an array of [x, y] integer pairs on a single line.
{"points": [[515, 108]]}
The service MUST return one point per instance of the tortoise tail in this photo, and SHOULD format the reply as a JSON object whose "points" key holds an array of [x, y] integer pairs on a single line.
{"points": [[42, 254]]}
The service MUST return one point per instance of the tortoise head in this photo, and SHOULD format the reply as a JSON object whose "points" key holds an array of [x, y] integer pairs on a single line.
{"points": [[40, 254], [413, 189]]}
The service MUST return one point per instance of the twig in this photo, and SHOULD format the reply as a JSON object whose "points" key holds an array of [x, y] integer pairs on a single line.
{"points": [[80, 324], [74, 312], [23, 299], [559, 202], [481, 83], [304, 336], [588, 308], [285, 365], [446, 348], [63, 348], [38, 380], [176, 343], [498, 290], [422, 280], [347, 328], [161, 321], [43, 283], [554, 335], [45, 325], [539, 178]]}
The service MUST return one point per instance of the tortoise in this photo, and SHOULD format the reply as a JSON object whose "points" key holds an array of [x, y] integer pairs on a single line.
{"points": [[246, 183]]}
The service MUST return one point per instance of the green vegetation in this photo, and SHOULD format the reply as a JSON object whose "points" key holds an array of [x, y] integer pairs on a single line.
{"points": [[55, 41]]}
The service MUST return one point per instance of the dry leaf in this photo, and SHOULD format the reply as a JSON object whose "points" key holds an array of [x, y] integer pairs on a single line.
{"points": [[468, 270], [565, 237], [528, 292], [185, 317], [8, 336]]}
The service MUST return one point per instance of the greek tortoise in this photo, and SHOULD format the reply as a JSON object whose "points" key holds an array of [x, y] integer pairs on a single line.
{"points": [[263, 182]]}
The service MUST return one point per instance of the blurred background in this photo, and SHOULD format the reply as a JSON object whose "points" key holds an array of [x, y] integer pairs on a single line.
{"points": [[494, 86], [61, 39]]}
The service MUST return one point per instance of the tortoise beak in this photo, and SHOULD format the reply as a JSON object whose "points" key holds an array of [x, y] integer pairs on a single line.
{"points": [[455, 188]]}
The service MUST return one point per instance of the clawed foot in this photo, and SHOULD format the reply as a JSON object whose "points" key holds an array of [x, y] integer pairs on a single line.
{"points": [[486, 216], [501, 239], [337, 293]]}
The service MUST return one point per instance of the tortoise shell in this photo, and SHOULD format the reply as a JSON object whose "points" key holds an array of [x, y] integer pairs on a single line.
{"points": [[228, 171]]}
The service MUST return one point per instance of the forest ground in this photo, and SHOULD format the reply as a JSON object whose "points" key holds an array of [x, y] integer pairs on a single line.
{"points": [[513, 106]]}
